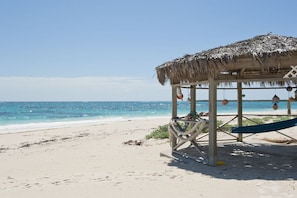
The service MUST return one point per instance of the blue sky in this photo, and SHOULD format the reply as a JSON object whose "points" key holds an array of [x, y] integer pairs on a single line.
{"points": [[108, 49]]}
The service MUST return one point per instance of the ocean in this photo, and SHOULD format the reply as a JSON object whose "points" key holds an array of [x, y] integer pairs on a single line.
{"points": [[20, 116]]}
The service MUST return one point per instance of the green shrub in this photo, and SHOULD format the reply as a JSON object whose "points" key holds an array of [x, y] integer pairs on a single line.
{"points": [[267, 118], [159, 133], [226, 127], [280, 118], [253, 121]]}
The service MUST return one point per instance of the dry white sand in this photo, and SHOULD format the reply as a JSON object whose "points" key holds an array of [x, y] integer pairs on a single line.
{"points": [[93, 161]]}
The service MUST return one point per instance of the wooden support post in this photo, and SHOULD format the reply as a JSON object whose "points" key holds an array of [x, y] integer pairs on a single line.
{"points": [[173, 140], [174, 102], [289, 107], [239, 109], [193, 98], [212, 108]]}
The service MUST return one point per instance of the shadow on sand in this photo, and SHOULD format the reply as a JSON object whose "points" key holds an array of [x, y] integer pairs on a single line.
{"points": [[245, 162]]}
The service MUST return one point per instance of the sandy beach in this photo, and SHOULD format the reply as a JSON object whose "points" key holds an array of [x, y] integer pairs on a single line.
{"points": [[94, 161]]}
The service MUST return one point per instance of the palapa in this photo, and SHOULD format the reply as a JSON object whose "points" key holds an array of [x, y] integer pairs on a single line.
{"points": [[267, 59], [269, 56]]}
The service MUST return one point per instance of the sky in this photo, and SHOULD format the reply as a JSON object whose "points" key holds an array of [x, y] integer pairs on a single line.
{"points": [[107, 50]]}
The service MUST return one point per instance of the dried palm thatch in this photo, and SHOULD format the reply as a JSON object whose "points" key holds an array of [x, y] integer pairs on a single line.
{"points": [[267, 57]]}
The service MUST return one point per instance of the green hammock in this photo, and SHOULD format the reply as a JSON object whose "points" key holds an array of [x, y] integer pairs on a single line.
{"points": [[265, 127]]}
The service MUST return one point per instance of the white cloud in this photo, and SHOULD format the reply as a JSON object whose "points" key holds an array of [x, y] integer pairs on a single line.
{"points": [[82, 89]]}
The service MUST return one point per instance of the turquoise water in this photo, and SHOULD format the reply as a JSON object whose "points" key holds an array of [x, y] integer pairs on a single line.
{"points": [[14, 114]]}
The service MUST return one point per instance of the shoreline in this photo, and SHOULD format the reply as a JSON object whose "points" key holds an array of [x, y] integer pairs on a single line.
{"points": [[35, 126]]}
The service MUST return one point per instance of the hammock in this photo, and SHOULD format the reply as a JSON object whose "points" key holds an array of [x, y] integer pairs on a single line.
{"points": [[261, 128]]}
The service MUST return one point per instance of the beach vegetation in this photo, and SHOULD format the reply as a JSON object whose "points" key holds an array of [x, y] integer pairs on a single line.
{"points": [[266, 119], [160, 133], [280, 118], [225, 127], [253, 121]]}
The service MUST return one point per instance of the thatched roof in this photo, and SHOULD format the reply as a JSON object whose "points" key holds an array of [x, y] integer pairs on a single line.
{"points": [[262, 57]]}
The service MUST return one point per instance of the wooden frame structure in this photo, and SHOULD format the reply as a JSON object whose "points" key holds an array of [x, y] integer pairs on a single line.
{"points": [[265, 59]]}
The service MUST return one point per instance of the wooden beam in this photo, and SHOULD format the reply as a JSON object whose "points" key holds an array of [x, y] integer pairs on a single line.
{"points": [[242, 62], [253, 78], [249, 88]]}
